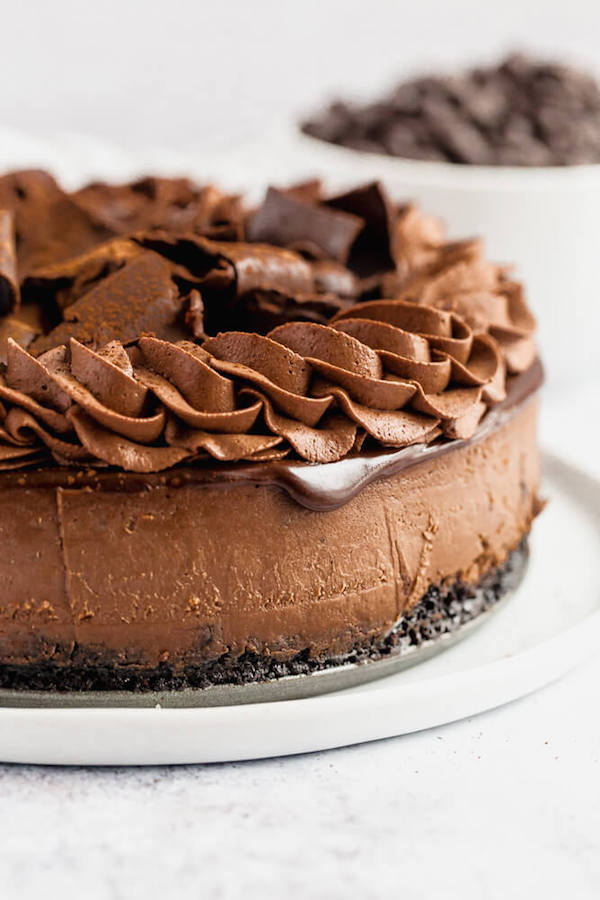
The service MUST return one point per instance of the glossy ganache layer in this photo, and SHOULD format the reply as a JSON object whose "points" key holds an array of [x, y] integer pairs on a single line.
{"points": [[184, 571]]}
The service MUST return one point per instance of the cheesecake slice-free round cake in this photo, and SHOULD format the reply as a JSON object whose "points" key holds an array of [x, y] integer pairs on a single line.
{"points": [[237, 444]]}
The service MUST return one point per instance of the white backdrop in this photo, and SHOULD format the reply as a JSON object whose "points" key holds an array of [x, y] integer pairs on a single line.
{"points": [[198, 74]]}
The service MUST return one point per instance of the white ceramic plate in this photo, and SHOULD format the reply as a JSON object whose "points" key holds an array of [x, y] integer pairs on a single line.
{"points": [[546, 629]]}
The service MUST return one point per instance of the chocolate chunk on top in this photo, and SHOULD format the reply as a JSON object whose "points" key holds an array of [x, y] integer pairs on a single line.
{"points": [[287, 221]]}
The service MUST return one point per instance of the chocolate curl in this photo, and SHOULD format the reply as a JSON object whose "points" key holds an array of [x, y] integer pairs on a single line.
{"points": [[9, 285], [216, 265], [287, 221], [260, 267], [194, 317], [65, 282]]}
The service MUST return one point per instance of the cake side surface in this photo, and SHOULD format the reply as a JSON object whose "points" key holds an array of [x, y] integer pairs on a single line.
{"points": [[188, 575]]}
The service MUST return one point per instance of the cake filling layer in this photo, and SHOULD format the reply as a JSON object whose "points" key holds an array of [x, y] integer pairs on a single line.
{"points": [[187, 572]]}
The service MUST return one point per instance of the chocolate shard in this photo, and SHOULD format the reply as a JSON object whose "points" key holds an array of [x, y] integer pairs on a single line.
{"points": [[49, 224], [374, 250], [62, 283], [141, 297], [287, 221]]}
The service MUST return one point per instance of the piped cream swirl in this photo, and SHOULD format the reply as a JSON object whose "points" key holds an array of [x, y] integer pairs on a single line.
{"points": [[395, 371]]}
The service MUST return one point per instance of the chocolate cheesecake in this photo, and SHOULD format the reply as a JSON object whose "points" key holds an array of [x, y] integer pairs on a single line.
{"points": [[238, 444]]}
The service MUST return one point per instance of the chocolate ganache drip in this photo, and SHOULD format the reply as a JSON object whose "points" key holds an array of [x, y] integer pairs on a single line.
{"points": [[155, 323]]}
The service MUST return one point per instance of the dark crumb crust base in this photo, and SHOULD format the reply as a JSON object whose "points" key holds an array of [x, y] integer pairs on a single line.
{"points": [[441, 610]]}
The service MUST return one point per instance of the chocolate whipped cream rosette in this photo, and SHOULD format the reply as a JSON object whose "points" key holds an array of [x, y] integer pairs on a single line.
{"points": [[238, 444], [510, 151]]}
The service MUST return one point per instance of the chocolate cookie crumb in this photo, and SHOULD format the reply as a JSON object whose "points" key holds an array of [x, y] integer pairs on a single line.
{"points": [[521, 112]]}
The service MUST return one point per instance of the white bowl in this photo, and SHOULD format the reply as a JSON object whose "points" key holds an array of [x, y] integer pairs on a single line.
{"points": [[544, 220]]}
